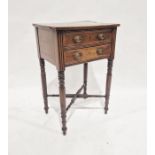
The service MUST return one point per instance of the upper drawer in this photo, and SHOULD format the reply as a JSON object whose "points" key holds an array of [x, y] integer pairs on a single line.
{"points": [[78, 38]]}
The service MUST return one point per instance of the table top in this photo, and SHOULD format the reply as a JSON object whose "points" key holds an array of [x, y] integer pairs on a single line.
{"points": [[76, 25]]}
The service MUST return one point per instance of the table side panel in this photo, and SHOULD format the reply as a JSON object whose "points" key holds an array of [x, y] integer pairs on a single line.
{"points": [[48, 45], [113, 42]]}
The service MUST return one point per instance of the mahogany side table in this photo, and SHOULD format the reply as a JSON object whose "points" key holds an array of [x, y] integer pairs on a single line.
{"points": [[74, 43]]}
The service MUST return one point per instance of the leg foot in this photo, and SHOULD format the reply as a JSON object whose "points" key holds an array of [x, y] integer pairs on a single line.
{"points": [[46, 110], [105, 110], [64, 131]]}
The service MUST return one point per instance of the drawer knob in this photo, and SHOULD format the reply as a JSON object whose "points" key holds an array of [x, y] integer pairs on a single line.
{"points": [[77, 39], [99, 51], [101, 36], [77, 56]]}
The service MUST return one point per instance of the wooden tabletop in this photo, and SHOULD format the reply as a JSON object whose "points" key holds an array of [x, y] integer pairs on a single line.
{"points": [[76, 25]]}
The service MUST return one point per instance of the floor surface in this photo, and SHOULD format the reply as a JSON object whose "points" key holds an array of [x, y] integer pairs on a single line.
{"points": [[90, 131]]}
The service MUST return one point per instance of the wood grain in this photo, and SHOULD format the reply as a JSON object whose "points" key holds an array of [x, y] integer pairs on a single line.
{"points": [[88, 38], [48, 45], [74, 43], [87, 54]]}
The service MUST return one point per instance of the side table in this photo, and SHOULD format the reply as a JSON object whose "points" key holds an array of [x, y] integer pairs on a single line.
{"points": [[68, 44]]}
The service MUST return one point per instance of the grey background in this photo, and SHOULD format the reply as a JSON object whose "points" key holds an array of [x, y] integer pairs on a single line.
{"points": [[122, 131]]}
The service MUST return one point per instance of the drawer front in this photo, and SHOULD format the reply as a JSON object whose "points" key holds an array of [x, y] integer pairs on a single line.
{"points": [[86, 37], [87, 54]]}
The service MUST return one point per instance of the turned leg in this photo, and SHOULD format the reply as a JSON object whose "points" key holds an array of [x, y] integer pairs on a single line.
{"points": [[108, 84], [44, 84], [62, 100], [85, 73]]}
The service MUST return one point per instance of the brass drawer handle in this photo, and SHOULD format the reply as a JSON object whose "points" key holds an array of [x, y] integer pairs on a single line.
{"points": [[101, 36], [77, 56], [99, 51], [77, 39]]}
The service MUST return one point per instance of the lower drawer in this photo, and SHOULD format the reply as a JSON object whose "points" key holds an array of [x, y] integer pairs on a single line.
{"points": [[87, 54]]}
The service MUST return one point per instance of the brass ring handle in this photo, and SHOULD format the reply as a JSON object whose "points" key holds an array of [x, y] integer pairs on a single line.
{"points": [[77, 56], [77, 39], [100, 51], [101, 36]]}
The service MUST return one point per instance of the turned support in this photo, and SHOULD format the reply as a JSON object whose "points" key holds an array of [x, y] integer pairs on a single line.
{"points": [[108, 84], [62, 100], [85, 76], [44, 84]]}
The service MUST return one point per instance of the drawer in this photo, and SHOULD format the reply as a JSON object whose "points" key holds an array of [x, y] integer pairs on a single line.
{"points": [[87, 54], [78, 38]]}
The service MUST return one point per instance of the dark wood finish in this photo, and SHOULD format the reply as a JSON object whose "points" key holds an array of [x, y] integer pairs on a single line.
{"points": [[78, 95], [113, 43], [85, 76], [48, 45], [75, 96], [86, 54], [44, 84], [74, 38], [62, 100], [108, 84], [61, 65], [70, 44]]}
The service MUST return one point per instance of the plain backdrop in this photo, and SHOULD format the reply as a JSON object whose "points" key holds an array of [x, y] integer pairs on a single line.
{"points": [[122, 131]]}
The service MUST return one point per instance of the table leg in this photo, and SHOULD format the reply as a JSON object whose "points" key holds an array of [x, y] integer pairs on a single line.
{"points": [[108, 84], [85, 73], [62, 100], [44, 84]]}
